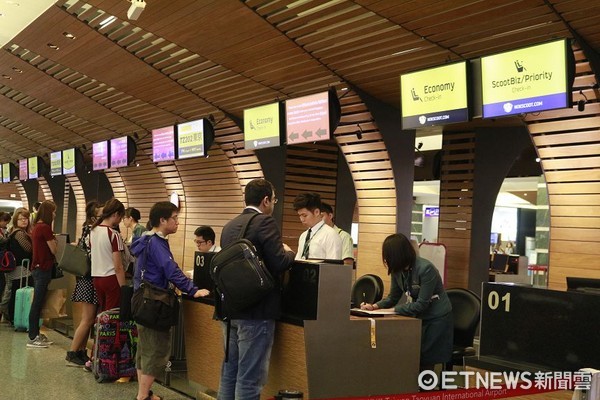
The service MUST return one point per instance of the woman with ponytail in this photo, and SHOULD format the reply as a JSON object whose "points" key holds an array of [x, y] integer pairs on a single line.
{"points": [[106, 247]]}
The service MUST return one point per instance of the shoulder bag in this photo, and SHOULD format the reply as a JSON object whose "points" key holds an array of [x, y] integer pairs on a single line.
{"points": [[152, 306]]}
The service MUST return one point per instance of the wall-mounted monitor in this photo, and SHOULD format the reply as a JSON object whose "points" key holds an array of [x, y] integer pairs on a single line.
{"points": [[163, 144], [312, 118], [36, 167], [72, 160], [494, 237], [23, 176], [56, 165], [100, 155], [262, 126], [432, 212], [435, 96], [531, 79], [194, 138], [8, 172], [122, 151]]}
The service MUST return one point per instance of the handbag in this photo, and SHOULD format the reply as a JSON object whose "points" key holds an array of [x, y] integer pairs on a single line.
{"points": [[57, 272], [75, 261], [152, 306]]}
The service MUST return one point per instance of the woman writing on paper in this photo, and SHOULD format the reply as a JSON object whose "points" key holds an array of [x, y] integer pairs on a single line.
{"points": [[426, 298]]}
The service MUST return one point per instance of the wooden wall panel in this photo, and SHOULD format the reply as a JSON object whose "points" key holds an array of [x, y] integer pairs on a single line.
{"points": [[456, 200], [568, 143], [80, 202]]}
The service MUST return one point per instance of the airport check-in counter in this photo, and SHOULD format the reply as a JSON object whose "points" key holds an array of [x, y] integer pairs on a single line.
{"points": [[319, 348]]}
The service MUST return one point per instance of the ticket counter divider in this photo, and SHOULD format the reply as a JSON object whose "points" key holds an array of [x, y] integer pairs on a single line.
{"points": [[319, 348]]}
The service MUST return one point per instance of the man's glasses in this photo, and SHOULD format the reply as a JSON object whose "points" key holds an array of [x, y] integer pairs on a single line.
{"points": [[199, 241]]}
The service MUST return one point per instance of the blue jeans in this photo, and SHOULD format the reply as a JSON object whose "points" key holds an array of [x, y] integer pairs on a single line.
{"points": [[41, 280], [245, 373]]}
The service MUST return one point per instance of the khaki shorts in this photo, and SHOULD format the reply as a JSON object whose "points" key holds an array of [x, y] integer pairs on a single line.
{"points": [[153, 351]]}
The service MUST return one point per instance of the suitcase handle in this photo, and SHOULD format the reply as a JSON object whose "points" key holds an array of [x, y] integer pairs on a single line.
{"points": [[24, 263]]}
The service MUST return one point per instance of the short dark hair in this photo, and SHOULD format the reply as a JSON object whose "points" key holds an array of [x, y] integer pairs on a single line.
{"points": [[206, 232], [36, 205], [398, 253], [309, 200], [4, 216], [133, 213], [162, 209], [45, 212], [326, 208], [256, 190]]}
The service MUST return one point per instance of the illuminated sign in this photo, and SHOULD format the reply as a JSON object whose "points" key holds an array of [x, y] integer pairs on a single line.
{"points": [[307, 118], [190, 139], [118, 152], [526, 80], [6, 178], [434, 96], [163, 144], [56, 163], [261, 127], [432, 211], [23, 169], [100, 155], [68, 161]]}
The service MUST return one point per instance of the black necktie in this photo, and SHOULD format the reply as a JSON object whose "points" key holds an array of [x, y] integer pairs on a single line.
{"points": [[306, 245]]}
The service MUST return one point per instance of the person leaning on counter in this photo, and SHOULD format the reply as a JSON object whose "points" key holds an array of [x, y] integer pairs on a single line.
{"points": [[426, 298]]}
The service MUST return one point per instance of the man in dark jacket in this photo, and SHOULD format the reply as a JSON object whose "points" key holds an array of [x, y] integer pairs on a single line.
{"points": [[245, 372]]}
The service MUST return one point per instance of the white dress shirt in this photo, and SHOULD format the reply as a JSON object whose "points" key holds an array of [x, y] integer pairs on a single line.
{"points": [[324, 243]]}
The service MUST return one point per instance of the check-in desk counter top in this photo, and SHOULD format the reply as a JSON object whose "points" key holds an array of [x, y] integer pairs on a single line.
{"points": [[319, 348]]}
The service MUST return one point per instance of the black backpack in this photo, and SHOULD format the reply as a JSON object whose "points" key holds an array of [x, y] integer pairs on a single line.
{"points": [[240, 276]]}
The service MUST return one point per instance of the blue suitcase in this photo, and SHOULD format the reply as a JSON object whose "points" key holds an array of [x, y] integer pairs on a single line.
{"points": [[23, 299]]}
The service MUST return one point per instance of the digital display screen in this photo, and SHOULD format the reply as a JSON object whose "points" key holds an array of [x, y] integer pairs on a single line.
{"points": [[190, 139], [261, 127], [56, 163], [32, 164], [23, 169], [118, 152], [434, 96], [307, 118], [68, 156], [100, 155], [163, 144], [432, 211], [6, 178], [531, 79]]}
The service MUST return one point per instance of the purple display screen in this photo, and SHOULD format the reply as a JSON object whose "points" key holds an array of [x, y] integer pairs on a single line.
{"points": [[100, 155], [23, 175], [118, 152], [432, 211], [163, 144]]}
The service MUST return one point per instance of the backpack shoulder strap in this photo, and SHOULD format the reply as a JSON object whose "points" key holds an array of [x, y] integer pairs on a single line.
{"points": [[246, 224]]}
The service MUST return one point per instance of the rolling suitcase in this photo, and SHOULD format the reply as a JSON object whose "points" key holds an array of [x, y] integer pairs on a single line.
{"points": [[23, 299], [114, 347]]}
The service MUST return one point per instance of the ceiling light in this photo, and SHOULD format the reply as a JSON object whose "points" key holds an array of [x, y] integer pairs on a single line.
{"points": [[6, 76], [53, 46], [107, 21], [68, 35], [17, 70]]}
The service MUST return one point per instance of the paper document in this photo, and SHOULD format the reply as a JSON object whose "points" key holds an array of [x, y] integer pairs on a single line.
{"points": [[375, 313]]}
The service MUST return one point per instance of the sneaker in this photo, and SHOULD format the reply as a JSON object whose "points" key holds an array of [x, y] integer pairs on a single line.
{"points": [[44, 339], [37, 342], [73, 359], [82, 354]]}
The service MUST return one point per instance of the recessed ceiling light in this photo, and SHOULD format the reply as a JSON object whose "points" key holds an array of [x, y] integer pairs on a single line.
{"points": [[53, 46], [17, 70], [6, 76], [107, 21], [68, 35]]}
